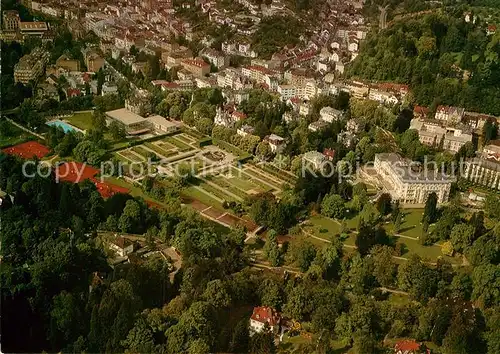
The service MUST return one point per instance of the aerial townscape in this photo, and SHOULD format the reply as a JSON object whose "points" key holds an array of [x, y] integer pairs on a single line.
{"points": [[250, 176]]}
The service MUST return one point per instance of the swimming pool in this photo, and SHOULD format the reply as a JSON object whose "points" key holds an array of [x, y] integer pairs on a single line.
{"points": [[65, 126]]}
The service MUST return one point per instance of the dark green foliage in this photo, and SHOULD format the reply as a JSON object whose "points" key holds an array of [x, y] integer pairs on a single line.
{"points": [[430, 52]]}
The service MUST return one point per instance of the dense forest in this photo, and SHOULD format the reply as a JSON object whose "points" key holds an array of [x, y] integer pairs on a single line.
{"points": [[443, 58]]}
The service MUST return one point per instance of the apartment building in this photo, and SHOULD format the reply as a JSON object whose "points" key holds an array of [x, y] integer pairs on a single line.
{"points": [[31, 66], [11, 20], [93, 60], [329, 114], [408, 182], [287, 91], [67, 63], [492, 150], [433, 133], [197, 67], [276, 143], [358, 90], [215, 57], [33, 29], [484, 172]]}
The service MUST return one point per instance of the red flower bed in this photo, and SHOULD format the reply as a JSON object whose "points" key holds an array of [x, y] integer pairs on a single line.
{"points": [[28, 150]]}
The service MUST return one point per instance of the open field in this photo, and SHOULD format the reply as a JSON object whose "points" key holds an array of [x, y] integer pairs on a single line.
{"points": [[81, 120], [324, 228]]}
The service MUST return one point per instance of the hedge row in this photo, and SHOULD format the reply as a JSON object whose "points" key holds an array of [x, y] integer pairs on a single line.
{"points": [[277, 173], [231, 148]]}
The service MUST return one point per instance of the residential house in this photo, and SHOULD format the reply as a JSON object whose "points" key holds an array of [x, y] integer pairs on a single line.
{"points": [[420, 112], [10, 20], [276, 143], [433, 133], [329, 154], [122, 246], [318, 125], [263, 316], [139, 66], [449, 114], [245, 130], [329, 114], [408, 347], [347, 138], [109, 88], [305, 108], [139, 102], [228, 116], [314, 159], [45, 90]]}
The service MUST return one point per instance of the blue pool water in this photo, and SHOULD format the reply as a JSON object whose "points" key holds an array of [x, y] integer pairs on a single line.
{"points": [[59, 123]]}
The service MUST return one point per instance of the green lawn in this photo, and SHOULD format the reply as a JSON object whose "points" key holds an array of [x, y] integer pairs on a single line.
{"points": [[219, 193], [324, 228], [411, 225], [116, 144], [185, 139], [178, 143], [254, 174], [129, 155], [224, 182], [81, 120], [205, 198], [18, 136], [141, 151], [160, 150], [243, 184]]}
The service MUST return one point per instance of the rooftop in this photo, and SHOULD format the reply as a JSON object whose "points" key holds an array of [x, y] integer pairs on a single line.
{"points": [[413, 172], [407, 345], [125, 116], [266, 314], [156, 119], [30, 26], [121, 242]]}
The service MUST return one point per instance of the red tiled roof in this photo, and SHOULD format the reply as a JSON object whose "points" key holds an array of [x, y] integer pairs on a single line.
{"points": [[239, 115], [421, 110], [329, 153], [266, 314], [407, 345], [121, 242], [195, 62]]}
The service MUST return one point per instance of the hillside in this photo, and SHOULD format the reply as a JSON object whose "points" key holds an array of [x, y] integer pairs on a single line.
{"points": [[445, 60]]}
